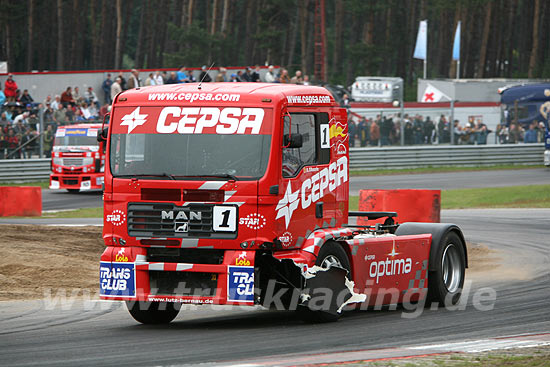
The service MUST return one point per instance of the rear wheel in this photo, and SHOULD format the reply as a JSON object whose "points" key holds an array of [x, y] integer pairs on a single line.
{"points": [[446, 282], [152, 312], [331, 254]]}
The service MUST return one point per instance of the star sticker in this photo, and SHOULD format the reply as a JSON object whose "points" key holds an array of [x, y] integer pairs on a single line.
{"points": [[287, 204], [393, 253], [133, 120]]}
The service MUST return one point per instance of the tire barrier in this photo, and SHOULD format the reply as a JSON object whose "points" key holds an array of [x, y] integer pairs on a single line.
{"points": [[410, 205], [20, 201]]}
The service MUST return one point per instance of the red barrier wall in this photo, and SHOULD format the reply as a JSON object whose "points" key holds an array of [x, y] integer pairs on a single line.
{"points": [[20, 201], [410, 205]]}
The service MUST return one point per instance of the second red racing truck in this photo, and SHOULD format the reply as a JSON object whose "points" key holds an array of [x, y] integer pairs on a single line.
{"points": [[237, 194]]}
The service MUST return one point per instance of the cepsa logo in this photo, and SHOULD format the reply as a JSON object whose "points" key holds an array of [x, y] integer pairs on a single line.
{"points": [[313, 189], [195, 120]]}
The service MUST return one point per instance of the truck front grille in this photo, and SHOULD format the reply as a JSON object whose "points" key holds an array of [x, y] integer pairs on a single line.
{"points": [[77, 162], [148, 220]]}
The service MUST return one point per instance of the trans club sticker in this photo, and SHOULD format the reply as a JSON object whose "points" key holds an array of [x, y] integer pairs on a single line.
{"points": [[117, 279], [240, 283]]}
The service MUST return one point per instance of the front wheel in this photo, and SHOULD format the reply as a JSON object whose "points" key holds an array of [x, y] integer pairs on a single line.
{"points": [[152, 312], [446, 282]]}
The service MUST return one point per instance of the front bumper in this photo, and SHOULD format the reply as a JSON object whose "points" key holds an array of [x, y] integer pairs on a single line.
{"points": [[88, 181], [127, 274]]}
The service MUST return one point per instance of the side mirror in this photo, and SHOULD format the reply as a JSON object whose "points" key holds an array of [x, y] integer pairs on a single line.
{"points": [[102, 134], [294, 141]]}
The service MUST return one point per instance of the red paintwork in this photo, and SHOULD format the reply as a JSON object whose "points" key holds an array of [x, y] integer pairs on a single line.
{"points": [[294, 227], [411, 205], [77, 176]]}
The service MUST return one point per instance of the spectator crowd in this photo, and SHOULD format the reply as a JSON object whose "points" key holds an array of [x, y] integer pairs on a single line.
{"points": [[19, 119]]}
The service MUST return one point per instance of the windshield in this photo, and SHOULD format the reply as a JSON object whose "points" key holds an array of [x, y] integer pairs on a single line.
{"points": [[73, 140], [242, 156]]}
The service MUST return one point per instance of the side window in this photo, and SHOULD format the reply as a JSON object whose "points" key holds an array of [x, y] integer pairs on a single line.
{"points": [[314, 128]]}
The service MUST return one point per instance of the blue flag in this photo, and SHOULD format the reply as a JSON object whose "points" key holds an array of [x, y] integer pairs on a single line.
{"points": [[456, 44], [421, 47]]}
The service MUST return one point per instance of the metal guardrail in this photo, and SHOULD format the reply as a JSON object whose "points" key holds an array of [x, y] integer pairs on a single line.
{"points": [[361, 158], [24, 169], [437, 156]]}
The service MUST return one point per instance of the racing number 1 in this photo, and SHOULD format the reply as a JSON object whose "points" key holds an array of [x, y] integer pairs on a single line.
{"points": [[325, 143], [225, 218]]}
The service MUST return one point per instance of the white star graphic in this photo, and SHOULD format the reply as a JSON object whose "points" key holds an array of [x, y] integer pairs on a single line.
{"points": [[133, 120], [393, 253], [287, 204]]}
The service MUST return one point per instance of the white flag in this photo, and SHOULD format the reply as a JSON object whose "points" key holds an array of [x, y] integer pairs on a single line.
{"points": [[432, 95], [421, 48]]}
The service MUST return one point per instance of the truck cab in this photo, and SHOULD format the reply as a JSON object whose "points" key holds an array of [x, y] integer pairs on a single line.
{"points": [[225, 192], [78, 159]]}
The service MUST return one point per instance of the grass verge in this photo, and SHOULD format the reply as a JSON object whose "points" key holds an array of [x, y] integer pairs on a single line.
{"points": [[78, 213], [380, 172], [42, 184], [532, 196]]}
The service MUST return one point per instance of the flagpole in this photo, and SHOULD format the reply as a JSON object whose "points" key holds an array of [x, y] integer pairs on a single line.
{"points": [[458, 69], [425, 67]]}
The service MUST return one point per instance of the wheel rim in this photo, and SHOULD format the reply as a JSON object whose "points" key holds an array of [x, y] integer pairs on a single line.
{"points": [[451, 268], [330, 260]]}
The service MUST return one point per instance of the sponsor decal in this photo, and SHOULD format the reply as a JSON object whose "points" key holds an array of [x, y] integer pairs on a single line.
{"points": [[117, 279], [60, 133], [242, 260], [76, 132], [311, 169], [120, 256], [341, 150], [192, 97], [195, 120], [253, 221], [308, 99], [196, 301], [389, 267], [240, 283], [312, 189], [133, 120], [286, 239], [117, 218], [337, 131]]}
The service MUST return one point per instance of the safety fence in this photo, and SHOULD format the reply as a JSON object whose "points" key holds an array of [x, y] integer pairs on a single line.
{"points": [[438, 156], [360, 158]]}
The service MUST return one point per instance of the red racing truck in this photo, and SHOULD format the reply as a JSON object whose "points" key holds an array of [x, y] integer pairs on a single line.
{"points": [[237, 194], [78, 159]]}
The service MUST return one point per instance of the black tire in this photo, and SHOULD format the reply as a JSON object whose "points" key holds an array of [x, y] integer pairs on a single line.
{"points": [[446, 282], [152, 313], [73, 191], [329, 252]]}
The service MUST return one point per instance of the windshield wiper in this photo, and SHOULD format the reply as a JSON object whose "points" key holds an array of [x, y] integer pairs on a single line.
{"points": [[172, 177], [220, 175]]}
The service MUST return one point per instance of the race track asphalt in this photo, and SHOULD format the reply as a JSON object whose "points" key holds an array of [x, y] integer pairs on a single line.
{"points": [[61, 199], [31, 334]]}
